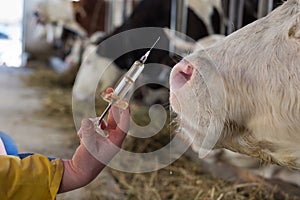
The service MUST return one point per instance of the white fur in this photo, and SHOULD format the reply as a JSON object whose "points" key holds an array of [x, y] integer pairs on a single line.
{"points": [[34, 35], [259, 67], [62, 12]]}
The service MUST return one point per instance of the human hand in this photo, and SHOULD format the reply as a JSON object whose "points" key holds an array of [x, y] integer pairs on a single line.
{"points": [[100, 147], [95, 150], [116, 127]]}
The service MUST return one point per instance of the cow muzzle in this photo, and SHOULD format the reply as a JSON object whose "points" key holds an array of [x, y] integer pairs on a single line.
{"points": [[181, 74]]}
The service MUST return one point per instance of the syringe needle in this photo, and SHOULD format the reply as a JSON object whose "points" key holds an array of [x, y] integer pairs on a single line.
{"points": [[154, 43], [104, 113], [145, 56]]}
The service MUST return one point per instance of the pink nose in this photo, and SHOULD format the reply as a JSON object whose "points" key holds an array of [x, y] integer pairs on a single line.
{"points": [[181, 74]]}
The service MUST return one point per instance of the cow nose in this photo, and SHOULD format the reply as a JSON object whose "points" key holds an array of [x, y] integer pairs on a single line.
{"points": [[181, 74]]}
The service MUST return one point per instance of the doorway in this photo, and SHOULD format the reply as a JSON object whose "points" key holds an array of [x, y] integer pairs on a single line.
{"points": [[11, 33]]}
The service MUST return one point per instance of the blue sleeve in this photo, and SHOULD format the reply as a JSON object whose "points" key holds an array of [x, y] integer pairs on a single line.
{"points": [[9, 144]]}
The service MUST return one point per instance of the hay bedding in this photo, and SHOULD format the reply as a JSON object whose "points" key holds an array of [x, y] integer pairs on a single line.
{"points": [[187, 178]]}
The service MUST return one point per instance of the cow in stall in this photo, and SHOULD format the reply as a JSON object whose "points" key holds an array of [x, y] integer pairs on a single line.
{"points": [[243, 93], [56, 15], [36, 44], [56, 21]]}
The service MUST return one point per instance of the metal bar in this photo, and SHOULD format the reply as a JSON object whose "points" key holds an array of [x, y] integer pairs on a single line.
{"points": [[270, 6], [173, 22], [184, 17], [181, 16], [178, 23], [109, 16], [24, 54], [124, 11], [173, 15], [240, 14], [224, 18], [232, 16], [262, 8]]}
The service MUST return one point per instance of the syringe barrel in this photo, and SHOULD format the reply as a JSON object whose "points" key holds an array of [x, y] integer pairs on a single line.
{"points": [[130, 77]]}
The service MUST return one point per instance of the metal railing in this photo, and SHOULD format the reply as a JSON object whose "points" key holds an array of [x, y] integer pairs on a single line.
{"points": [[234, 8]]}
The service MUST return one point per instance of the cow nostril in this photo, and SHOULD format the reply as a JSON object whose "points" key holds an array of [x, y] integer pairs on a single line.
{"points": [[187, 72], [181, 75]]}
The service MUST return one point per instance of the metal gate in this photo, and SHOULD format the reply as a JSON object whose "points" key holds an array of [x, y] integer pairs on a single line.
{"points": [[234, 8]]}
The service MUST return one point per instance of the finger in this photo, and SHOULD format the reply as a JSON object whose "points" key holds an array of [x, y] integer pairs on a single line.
{"points": [[117, 137], [113, 117], [124, 121], [86, 127]]}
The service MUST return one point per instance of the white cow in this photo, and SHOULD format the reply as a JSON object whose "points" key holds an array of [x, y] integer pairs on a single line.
{"points": [[247, 89], [56, 14], [34, 35], [47, 26]]}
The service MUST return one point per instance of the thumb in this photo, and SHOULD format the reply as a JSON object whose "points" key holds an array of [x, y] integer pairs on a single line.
{"points": [[87, 128]]}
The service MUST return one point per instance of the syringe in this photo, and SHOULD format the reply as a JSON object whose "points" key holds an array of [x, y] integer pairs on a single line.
{"points": [[126, 83]]}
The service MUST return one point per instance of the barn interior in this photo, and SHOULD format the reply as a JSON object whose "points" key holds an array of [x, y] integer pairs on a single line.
{"points": [[46, 44]]}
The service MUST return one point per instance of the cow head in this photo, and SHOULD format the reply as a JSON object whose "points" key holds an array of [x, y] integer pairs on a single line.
{"points": [[244, 93]]}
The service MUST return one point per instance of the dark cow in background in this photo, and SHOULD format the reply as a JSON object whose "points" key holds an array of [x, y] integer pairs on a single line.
{"points": [[204, 18]]}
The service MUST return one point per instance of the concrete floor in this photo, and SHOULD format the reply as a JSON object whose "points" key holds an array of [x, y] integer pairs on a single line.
{"points": [[31, 133]]}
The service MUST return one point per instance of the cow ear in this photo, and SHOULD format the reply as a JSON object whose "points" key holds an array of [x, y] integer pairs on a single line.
{"points": [[294, 30]]}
